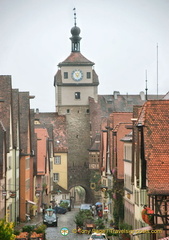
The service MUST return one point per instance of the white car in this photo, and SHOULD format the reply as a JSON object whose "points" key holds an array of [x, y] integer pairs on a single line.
{"points": [[101, 236], [85, 206]]}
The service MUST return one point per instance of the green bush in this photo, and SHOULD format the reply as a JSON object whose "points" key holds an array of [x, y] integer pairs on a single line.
{"points": [[86, 212], [99, 223], [16, 232], [28, 228], [41, 228], [109, 233], [79, 219], [64, 204], [6, 230], [82, 216], [125, 226]]}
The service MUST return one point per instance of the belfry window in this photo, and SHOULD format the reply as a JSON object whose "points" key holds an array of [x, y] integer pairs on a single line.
{"points": [[65, 75], [88, 75], [77, 95]]}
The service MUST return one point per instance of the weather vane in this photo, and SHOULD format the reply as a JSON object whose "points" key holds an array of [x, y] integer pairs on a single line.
{"points": [[74, 9]]}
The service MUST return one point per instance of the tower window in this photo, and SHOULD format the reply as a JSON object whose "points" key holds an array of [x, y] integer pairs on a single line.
{"points": [[88, 74], [68, 110], [65, 75], [87, 111], [77, 95]]}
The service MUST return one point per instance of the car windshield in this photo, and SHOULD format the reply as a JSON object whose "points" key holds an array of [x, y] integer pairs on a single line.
{"points": [[98, 237], [49, 212], [85, 207]]}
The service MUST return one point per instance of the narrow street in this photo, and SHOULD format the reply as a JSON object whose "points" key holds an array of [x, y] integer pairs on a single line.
{"points": [[65, 221]]}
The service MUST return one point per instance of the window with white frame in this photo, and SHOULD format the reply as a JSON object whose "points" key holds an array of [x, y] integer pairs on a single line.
{"points": [[56, 177], [57, 159]]}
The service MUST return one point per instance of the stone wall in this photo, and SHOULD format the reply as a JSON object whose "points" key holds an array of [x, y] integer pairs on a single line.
{"points": [[78, 132]]}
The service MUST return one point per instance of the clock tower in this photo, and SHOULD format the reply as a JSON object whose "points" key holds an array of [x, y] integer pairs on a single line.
{"points": [[76, 81]]}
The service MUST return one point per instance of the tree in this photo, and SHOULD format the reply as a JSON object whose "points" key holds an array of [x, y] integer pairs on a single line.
{"points": [[6, 230]]}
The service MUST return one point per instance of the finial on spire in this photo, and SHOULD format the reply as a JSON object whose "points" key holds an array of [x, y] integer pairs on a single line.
{"points": [[74, 9], [75, 31]]}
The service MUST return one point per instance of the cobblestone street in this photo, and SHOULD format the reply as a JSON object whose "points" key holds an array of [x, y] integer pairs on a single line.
{"points": [[67, 221]]}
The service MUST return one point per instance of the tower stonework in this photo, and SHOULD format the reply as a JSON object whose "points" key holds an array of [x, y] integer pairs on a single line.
{"points": [[76, 81]]}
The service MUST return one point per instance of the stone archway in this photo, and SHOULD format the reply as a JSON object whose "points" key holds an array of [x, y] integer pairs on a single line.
{"points": [[80, 194], [80, 176]]}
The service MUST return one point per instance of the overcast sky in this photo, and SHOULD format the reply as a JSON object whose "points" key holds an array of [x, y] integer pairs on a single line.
{"points": [[119, 36]]}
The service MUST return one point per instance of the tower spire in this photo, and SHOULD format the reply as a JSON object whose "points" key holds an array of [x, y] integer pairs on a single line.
{"points": [[75, 31]]}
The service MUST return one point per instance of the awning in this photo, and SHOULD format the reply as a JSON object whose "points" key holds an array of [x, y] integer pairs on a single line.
{"points": [[28, 201], [142, 230]]}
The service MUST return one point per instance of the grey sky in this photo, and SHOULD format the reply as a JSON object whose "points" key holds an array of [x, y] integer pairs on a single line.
{"points": [[120, 36]]}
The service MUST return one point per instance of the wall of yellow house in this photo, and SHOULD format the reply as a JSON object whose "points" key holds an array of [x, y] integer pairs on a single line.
{"points": [[60, 169]]}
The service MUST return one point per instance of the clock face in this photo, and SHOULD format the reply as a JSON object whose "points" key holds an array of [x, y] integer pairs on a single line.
{"points": [[77, 75]]}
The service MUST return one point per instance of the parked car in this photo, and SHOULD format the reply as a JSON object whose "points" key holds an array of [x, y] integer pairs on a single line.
{"points": [[60, 210], [85, 206], [100, 236], [50, 218], [68, 202]]}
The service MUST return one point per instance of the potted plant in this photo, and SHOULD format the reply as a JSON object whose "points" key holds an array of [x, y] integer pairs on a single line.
{"points": [[111, 223], [147, 215], [125, 236], [79, 220], [111, 235], [99, 223]]}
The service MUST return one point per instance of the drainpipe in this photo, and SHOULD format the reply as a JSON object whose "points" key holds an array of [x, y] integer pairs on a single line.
{"points": [[15, 187], [5, 169]]}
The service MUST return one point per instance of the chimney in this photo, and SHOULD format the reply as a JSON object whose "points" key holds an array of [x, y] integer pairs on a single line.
{"points": [[116, 93], [142, 96]]}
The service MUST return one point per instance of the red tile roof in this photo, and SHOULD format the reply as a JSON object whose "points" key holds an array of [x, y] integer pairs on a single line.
{"points": [[59, 129], [155, 118], [76, 58]]}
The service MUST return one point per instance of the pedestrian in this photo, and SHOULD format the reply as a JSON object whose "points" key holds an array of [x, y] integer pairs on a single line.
{"points": [[28, 218], [43, 211], [100, 215], [93, 210]]}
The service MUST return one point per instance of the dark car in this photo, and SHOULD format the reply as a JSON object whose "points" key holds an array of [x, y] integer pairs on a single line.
{"points": [[60, 210], [68, 202], [50, 218]]}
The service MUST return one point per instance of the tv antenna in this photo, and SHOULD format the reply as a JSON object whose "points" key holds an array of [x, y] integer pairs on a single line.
{"points": [[146, 85]]}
